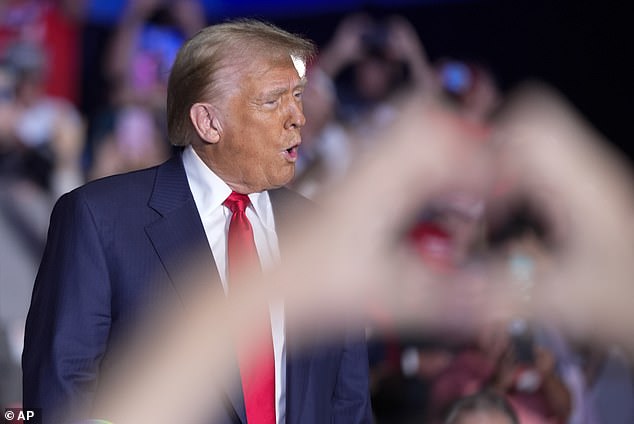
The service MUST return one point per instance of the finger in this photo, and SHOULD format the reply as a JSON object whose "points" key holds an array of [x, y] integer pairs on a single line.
{"points": [[417, 157], [555, 151]]}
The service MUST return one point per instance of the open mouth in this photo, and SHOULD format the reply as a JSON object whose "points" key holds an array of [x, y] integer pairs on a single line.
{"points": [[291, 153]]}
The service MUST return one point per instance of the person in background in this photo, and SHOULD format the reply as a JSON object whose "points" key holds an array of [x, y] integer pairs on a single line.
{"points": [[144, 45], [373, 63], [130, 133], [484, 407], [327, 148], [46, 132], [356, 81], [468, 86], [54, 26]]}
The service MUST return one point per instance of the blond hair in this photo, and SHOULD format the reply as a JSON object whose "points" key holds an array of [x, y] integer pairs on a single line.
{"points": [[199, 71]]}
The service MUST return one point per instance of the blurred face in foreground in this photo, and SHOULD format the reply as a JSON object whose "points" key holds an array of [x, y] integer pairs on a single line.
{"points": [[260, 125]]}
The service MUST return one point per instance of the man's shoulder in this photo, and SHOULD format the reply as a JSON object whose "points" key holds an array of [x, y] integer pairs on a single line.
{"points": [[120, 186], [120, 190]]}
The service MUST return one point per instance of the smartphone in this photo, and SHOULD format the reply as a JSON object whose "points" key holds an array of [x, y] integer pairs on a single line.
{"points": [[522, 342]]}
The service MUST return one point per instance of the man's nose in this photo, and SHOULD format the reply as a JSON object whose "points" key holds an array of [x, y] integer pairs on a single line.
{"points": [[296, 118]]}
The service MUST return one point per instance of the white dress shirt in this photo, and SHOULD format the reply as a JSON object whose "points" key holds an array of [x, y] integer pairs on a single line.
{"points": [[209, 193]]}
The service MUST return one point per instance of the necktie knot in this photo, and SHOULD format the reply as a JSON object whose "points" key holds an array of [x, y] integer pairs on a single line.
{"points": [[237, 202], [241, 249]]}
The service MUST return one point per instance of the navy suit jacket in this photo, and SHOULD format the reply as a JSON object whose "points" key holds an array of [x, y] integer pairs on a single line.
{"points": [[113, 249]]}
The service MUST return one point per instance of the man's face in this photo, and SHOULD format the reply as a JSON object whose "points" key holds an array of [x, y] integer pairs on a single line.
{"points": [[261, 123]]}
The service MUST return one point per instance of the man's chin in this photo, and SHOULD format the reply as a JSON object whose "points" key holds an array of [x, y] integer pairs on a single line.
{"points": [[278, 181], [287, 178]]}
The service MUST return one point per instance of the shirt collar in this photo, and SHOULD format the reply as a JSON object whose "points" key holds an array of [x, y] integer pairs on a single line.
{"points": [[210, 191]]}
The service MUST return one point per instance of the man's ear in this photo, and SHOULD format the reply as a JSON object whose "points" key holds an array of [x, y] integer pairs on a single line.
{"points": [[206, 122]]}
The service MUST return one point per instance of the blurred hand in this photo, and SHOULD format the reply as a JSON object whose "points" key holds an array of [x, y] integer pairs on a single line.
{"points": [[544, 361], [350, 260], [8, 117], [346, 44], [554, 154], [505, 372], [403, 40], [357, 257], [404, 44]]}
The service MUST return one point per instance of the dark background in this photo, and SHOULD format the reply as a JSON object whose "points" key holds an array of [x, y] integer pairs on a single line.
{"points": [[583, 48]]}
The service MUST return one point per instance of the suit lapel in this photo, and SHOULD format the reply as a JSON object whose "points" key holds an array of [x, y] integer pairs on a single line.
{"points": [[178, 236], [179, 232]]}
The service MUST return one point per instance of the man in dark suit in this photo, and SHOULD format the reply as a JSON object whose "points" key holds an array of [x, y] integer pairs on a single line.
{"points": [[116, 245]]}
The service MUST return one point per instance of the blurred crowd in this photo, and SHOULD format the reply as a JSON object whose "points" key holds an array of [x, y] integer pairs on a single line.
{"points": [[522, 372]]}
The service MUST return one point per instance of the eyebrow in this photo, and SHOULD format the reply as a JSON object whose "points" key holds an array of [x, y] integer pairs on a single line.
{"points": [[279, 91], [276, 92]]}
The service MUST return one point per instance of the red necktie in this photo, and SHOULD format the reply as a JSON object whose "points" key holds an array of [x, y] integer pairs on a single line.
{"points": [[257, 372]]}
